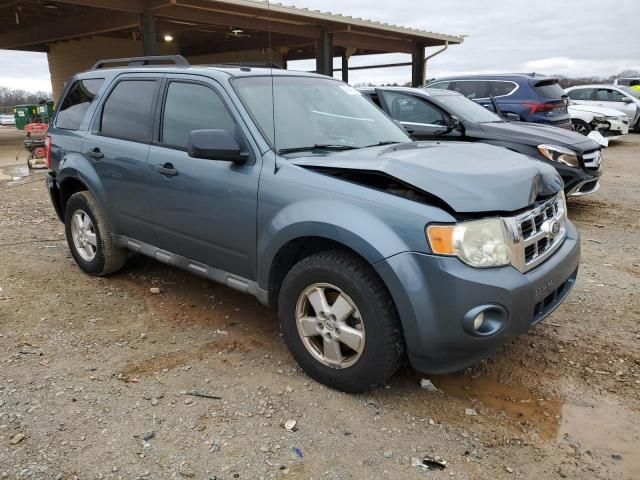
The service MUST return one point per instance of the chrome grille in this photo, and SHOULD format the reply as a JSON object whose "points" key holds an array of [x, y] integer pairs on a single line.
{"points": [[537, 233], [592, 160]]}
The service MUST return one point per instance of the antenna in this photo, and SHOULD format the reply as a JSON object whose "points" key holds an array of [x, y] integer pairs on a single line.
{"points": [[273, 94]]}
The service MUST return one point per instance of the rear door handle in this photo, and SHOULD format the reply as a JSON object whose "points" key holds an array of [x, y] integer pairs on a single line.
{"points": [[95, 153], [166, 170]]}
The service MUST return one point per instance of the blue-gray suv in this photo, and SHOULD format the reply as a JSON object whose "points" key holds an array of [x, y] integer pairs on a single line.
{"points": [[296, 189]]}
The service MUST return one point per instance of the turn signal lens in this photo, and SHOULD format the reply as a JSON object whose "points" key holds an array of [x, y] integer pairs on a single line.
{"points": [[441, 239]]}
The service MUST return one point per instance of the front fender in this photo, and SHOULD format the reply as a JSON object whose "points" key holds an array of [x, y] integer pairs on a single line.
{"points": [[372, 237]]}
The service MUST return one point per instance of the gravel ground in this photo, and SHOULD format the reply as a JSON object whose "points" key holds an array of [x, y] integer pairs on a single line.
{"points": [[102, 379]]}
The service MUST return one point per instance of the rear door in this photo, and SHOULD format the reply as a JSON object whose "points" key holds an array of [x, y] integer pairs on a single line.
{"points": [[206, 210], [421, 119], [118, 148]]}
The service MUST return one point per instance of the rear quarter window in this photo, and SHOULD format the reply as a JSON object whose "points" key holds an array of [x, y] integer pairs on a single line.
{"points": [[76, 102], [549, 90]]}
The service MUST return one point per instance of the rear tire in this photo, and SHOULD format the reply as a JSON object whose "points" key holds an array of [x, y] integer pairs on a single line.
{"points": [[89, 236], [359, 316], [580, 127]]}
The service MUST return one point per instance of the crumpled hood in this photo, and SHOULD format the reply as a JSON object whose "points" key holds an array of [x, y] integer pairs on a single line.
{"points": [[470, 178], [537, 134], [608, 112]]}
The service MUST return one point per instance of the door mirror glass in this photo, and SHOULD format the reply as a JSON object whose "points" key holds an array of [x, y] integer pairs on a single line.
{"points": [[215, 145]]}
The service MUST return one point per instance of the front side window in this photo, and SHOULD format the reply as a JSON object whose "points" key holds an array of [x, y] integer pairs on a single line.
{"points": [[408, 108], [443, 85], [76, 103], [314, 111], [128, 112], [608, 95], [472, 89], [191, 106]]}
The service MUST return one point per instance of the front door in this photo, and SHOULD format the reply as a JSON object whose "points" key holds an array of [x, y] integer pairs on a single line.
{"points": [[118, 147], [610, 98], [421, 119], [204, 210]]}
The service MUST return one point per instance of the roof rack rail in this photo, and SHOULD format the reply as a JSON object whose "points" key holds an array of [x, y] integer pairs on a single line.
{"points": [[178, 61]]}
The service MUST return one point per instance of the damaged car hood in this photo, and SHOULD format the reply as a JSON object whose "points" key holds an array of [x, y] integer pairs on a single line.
{"points": [[470, 178]]}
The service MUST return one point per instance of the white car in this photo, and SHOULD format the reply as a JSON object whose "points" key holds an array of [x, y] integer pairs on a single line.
{"points": [[7, 120], [611, 123], [618, 97]]}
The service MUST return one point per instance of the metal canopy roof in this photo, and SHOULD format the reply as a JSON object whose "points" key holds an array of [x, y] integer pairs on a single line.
{"points": [[205, 26]]}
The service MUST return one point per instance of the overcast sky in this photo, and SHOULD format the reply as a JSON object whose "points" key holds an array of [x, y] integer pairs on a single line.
{"points": [[569, 37]]}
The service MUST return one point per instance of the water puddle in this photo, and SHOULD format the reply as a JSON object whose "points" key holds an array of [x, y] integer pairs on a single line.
{"points": [[519, 403], [12, 172], [609, 431]]}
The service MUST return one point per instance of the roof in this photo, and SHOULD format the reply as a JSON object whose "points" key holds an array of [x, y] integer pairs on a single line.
{"points": [[347, 19]]}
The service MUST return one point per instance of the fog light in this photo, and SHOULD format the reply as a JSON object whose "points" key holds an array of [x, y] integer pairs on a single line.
{"points": [[485, 320]]}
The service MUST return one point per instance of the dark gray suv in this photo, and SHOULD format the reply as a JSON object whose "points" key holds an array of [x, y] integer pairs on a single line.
{"points": [[296, 189]]}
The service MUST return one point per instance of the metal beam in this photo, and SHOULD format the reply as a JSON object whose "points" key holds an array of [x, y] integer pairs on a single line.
{"points": [[131, 6], [253, 43], [417, 66], [148, 32], [189, 14], [67, 29], [369, 42], [324, 54]]}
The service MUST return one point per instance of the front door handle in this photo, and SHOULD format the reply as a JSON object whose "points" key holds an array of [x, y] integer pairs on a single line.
{"points": [[166, 170], [95, 153]]}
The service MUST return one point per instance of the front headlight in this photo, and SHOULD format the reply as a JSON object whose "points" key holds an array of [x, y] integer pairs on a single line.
{"points": [[478, 243], [559, 154], [600, 119]]}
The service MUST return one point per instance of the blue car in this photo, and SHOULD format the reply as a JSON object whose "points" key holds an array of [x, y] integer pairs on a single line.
{"points": [[533, 98]]}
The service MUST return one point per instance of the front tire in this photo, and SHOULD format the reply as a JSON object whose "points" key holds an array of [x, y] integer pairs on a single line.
{"points": [[580, 127], [89, 236], [339, 322]]}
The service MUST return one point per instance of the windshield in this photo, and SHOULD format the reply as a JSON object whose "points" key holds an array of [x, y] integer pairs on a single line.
{"points": [[631, 91], [317, 112], [466, 109]]}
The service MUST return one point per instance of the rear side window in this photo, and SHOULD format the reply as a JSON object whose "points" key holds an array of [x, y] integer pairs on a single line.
{"points": [[581, 94], [472, 89], [501, 89], [190, 106], [549, 90], [76, 103], [127, 113]]}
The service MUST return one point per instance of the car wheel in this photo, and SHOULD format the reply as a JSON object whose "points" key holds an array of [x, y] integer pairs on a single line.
{"points": [[580, 127], [339, 322], [89, 236]]}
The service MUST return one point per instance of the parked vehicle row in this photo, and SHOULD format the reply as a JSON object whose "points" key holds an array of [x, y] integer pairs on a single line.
{"points": [[539, 99], [297, 189], [436, 114]]}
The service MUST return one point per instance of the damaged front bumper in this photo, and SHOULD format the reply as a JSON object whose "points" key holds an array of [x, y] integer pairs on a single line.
{"points": [[438, 297]]}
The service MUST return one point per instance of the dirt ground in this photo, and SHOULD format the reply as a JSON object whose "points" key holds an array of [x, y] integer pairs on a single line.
{"points": [[98, 375]]}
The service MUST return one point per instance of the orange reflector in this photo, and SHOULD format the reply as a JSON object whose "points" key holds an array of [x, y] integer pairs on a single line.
{"points": [[441, 239]]}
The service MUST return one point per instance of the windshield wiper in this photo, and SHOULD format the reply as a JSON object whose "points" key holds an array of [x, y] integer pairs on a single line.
{"points": [[317, 146], [379, 144]]}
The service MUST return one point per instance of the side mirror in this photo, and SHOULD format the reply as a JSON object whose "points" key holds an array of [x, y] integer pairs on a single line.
{"points": [[215, 145], [627, 100], [453, 123], [512, 117]]}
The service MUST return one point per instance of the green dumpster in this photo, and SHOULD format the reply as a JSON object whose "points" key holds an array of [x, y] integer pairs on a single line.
{"points": [[24, 114], [45, 111]]}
